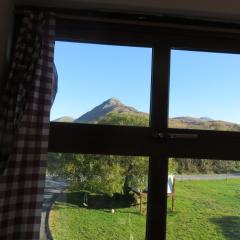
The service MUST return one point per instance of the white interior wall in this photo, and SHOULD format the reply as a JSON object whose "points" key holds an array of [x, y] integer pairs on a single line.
{"points": [[6, 26]]}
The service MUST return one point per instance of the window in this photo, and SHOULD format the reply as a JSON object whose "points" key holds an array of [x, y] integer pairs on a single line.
{"points": [[204, 90], [205, 199], [105, 196], [159, 141], [102, 84]]}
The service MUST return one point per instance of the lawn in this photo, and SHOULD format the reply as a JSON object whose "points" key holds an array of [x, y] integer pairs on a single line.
{"points": [[206, 209]]}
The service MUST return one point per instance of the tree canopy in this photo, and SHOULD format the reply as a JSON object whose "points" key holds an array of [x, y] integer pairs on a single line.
{"points": [[106, 174]]}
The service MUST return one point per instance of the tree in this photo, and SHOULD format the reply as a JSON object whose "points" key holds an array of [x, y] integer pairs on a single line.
{"points": [[106, 174], [125, 119]]}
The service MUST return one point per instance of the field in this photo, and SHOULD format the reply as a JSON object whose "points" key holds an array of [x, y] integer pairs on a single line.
{"points": [[204, 209]]}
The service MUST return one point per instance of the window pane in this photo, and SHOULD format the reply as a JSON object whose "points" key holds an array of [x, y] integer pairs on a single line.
{"points": [[206, 199], [102, 84], [204, 90], [100, 196]]}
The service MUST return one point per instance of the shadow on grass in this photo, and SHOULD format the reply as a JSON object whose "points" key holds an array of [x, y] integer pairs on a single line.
{"points": [[95, 201], [172, 213], [229, 225]]}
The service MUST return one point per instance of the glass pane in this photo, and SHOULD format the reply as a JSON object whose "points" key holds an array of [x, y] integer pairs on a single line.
{"points": [[206, 199], [102, 84], [97, 196], [204, 90]]}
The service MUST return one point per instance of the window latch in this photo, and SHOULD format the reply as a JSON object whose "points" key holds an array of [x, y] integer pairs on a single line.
{"points": [[182, 136], [175, 135]]}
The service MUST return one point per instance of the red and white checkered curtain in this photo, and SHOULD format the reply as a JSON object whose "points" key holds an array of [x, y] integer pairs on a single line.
{"points": [[25, 102]]}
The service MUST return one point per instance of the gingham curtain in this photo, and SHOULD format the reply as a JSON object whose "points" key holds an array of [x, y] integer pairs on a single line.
{"points": [[25, 102]]}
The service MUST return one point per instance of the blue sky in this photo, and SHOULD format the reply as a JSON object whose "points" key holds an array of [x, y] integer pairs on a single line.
{"points": [[202, 84], [205, 85], [90, 74]]}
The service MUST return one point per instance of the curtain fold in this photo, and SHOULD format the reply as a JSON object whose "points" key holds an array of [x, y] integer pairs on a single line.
{"points": [[25, 103]]}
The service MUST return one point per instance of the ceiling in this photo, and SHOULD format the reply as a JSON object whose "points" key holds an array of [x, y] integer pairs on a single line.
{"points": [[227, 10]]}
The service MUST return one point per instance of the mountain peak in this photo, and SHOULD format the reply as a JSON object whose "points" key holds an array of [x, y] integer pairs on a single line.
{"points": [[110, 105], [113, 100]]}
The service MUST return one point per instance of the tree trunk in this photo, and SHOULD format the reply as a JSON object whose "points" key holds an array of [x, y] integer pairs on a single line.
{"points": [[126, 189]]}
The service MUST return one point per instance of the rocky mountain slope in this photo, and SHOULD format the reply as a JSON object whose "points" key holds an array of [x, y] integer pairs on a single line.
{"points": [[110, 105]]}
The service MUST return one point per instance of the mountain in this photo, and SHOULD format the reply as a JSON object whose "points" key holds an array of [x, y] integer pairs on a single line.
{"points": [[202, 123], [110, 105], [113, 105], [192, 119], [64, 119]]}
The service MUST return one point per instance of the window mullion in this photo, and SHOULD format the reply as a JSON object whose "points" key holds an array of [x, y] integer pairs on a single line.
{"points": [[158, 165]]}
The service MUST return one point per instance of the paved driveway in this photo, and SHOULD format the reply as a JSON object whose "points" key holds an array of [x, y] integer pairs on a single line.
{"points": [[52, 189]]}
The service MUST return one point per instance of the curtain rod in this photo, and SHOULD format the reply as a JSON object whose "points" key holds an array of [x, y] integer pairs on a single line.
{"points": [[143, 20]]}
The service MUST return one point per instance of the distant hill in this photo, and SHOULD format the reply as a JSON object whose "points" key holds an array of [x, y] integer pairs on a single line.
{"points": [[192, 119], [113, 105], [202, 123], [109, 106], [64, 119]]}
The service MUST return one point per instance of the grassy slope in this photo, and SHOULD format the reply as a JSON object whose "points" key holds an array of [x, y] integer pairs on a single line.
{"points": [[203, 210]]}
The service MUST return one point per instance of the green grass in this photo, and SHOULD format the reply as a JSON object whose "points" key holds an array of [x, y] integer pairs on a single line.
{"points": [[206, 210], [203, 210]]}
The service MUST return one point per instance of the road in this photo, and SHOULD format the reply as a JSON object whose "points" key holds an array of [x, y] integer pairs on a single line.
{"points": [[208, 176]]}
